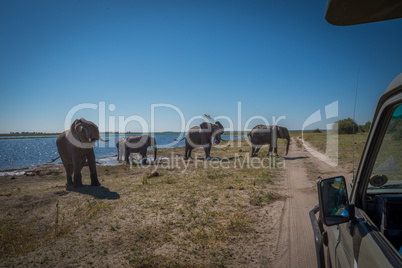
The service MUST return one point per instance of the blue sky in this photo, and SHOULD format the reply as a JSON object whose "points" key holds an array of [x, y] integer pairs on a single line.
{"points": [[203, 57]]}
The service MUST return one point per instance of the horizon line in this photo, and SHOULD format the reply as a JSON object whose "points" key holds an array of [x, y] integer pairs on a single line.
{"points": [[129, 132]]}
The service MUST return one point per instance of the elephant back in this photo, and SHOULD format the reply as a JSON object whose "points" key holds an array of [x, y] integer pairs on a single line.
{"points": [[140, 140], [197, 136], [260, 134], [194, 131]]}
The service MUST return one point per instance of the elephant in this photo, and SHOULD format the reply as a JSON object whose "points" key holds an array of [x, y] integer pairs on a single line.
{"points": [[135, 144], [76, 147], [261, 135], [203, 136]]}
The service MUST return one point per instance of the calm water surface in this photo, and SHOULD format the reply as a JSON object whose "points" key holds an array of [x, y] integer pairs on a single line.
{"points": [[38, 150]]}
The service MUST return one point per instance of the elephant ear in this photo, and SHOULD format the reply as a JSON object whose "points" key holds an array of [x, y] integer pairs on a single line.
{"points": [[75, 124], [80, 131], [75, 129], [283, 132], [79, 127], [280, 132], [219, 124], [206, 126]]}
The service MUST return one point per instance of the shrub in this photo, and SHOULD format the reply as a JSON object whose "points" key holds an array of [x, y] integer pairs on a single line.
{"points": [[365, 127], [347, 126]]}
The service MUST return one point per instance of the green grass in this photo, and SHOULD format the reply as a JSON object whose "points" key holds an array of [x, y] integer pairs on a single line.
{"points": [[349, 147]]}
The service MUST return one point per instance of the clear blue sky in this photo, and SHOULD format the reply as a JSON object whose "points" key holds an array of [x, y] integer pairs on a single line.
{"points": [[278, 58]]}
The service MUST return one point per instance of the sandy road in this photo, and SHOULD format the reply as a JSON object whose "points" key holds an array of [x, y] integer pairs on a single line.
{"points": [[295, 246]]}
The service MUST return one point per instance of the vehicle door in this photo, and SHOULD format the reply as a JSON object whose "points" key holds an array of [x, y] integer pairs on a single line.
{"points": [[363, 241]]}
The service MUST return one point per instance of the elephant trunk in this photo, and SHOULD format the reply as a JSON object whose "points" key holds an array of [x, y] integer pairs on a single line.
{"points": [[217, 139], [287, 146], [152, 142]]}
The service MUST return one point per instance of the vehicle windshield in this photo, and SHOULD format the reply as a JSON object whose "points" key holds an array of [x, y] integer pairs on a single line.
{"points": [[386, 176]]}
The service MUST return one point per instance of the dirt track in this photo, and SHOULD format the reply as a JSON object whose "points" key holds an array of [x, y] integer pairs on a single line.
{"points": [[295, 246]]}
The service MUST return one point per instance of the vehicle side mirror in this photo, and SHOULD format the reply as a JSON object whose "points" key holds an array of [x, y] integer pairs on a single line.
{"points": [[333, 200]]}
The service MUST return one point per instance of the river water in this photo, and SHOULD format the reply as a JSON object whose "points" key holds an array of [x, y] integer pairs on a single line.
{"points": [[30, 151]]}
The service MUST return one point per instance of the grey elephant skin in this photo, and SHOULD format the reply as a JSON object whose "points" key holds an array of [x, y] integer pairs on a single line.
{"points": [[135, 144], [75, 148], [203, 136], [261, 135]]}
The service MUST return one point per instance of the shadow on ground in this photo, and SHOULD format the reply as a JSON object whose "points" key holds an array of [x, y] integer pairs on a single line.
{"points": [[295, 158], [98, 192]]}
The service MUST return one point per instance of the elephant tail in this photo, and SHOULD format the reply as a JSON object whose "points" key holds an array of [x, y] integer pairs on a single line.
{"points": [[54, 159], [155, 150]]}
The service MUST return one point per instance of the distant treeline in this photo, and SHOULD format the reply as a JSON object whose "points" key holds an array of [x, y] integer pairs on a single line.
{"points": [[28, 134], [349, 126]]}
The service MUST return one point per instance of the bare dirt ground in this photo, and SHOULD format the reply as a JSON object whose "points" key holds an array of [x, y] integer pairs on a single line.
{"points": [[295, 247], [223, 213]]}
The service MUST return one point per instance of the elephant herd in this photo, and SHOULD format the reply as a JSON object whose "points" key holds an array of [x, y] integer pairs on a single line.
{"points": [[76, 144]]}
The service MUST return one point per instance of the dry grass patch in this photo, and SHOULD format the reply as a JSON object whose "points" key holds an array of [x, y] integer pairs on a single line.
{"points": [[186, 214]]}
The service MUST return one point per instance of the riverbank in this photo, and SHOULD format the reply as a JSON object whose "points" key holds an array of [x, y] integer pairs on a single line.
{"points": [[167, 213], [31, 151]]}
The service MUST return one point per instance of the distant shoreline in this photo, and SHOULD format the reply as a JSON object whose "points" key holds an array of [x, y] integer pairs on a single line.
{"points": [[36, 134], [4, 136], [43, 147]]}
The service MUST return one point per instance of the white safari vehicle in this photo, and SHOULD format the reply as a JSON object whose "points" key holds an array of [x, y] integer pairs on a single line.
{"points": [[363, 228]]}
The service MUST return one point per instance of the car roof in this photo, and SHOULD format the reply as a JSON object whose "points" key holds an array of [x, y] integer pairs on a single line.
{"points": [[394, 87], [351, 12], [395, 83]]}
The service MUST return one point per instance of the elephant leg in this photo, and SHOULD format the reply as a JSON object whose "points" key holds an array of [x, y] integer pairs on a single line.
{"points": [[127, 156], [69, 172], [189, 152], [276, 151], [77, 167], [270, 150], [207, 150], [144, 156], [257, 150], [187, 147], [252, 151], [92, 169], [78, 180]]}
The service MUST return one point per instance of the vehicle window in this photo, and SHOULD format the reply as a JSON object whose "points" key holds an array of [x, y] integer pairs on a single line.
{"points": [[387, 174]]}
